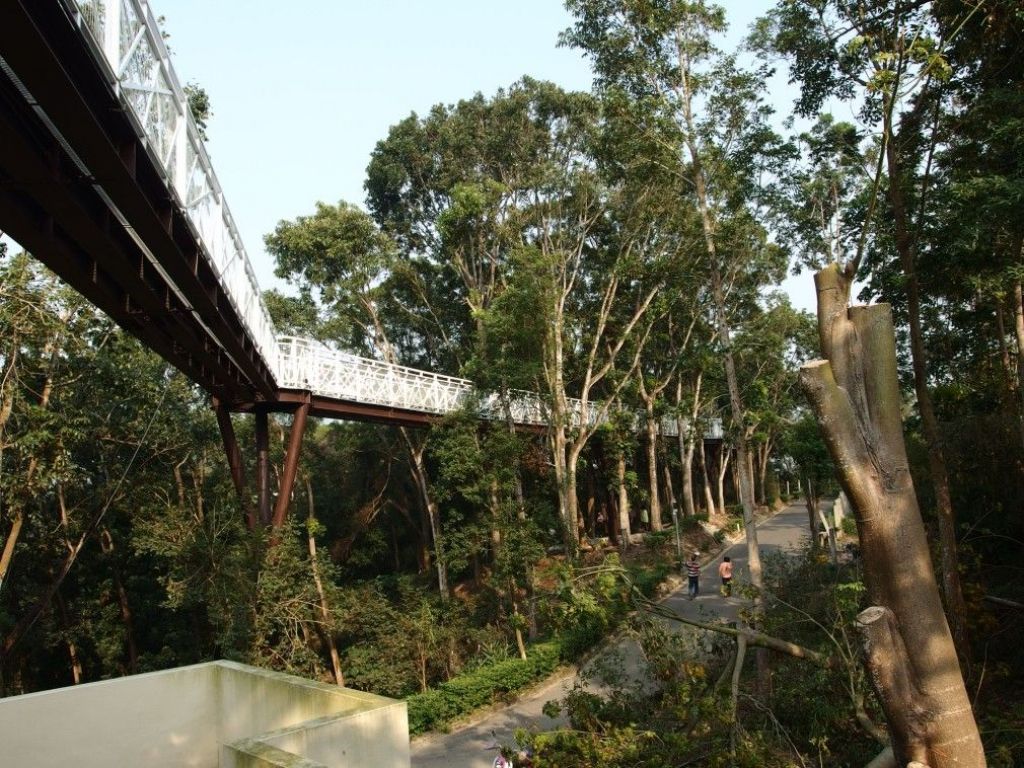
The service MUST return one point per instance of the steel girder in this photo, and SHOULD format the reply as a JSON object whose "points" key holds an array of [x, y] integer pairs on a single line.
{"points": [[103, 175], [77, 121]]}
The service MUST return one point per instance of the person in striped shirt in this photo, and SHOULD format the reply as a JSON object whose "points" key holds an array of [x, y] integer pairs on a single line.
{"points": [[693, 572]]}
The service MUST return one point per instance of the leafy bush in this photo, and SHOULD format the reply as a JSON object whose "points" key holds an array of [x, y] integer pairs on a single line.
{"points": [[437, 707]]}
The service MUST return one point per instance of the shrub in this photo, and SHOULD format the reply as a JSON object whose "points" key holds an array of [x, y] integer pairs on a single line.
{"points": [[437, 707]]}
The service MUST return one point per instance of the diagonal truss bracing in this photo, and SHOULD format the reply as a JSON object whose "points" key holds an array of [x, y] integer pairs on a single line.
{"points": [[193, 282], [126, 39]]}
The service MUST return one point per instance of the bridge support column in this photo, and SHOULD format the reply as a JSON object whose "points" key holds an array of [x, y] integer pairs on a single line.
{"points": [[291, 464], [262, 467], [234, 455]]}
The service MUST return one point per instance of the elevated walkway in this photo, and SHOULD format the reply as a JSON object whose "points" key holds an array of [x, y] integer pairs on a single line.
{"points": [[104, 178]]}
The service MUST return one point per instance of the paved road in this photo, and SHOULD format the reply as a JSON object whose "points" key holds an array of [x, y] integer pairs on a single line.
{"points": [[467, 746]]}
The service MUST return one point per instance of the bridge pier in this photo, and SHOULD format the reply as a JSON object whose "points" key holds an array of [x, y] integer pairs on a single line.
{"points": [[234, 455], [291, 464], [267, 514]]}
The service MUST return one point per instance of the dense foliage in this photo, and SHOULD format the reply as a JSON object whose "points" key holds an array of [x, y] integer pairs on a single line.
{"points": [[616, 253]]}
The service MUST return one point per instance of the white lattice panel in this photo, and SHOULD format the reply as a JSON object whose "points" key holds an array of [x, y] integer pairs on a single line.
{"points": [[127, 40]]}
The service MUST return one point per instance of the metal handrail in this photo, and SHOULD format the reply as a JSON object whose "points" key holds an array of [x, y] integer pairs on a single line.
{"points": [[128, 43]]}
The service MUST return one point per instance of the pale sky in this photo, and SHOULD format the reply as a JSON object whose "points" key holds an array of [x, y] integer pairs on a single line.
{"points": [[301, 91]]}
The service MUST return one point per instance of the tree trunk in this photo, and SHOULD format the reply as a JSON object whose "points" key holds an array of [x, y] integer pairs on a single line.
{"points": [[419, 471], [624, 527], [572, 496], [652, 468], [956, 610], [723, 467], [811, 502], [326, 624], [73, 657], [705, 479], [107, 546], [762, 469], [687, 447], [567, 504], [855, 396], [670, 491]]}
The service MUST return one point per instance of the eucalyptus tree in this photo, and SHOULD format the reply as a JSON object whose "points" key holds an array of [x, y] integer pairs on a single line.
{"points": [[594, 267], [504, 196], [453, 189], [891, 61], [705, 119]]}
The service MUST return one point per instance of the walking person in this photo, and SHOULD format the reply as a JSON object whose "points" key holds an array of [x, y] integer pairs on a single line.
{"points": [[725, 572], [693, 572]]}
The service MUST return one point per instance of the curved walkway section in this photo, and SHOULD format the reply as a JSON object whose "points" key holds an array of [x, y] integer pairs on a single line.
{"points": [[468, 746]]}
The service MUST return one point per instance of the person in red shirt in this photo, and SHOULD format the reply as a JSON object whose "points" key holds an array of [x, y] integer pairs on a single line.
{"points": [[725, 572]]}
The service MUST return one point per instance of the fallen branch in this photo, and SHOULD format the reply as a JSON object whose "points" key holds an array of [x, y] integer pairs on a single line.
{"points": [[753, 638], [1004, 602]]}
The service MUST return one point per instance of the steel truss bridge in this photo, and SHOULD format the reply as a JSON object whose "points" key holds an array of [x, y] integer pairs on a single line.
{"points": [[105, 179]]}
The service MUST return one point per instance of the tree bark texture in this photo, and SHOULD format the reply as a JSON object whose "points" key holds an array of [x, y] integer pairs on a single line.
{"points": [[652, 468], [326, 621], [418, 468], [937, 467], [705, 482], [855, 396]]}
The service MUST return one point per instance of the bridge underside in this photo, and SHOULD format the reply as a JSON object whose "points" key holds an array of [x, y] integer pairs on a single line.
{"points": [[289, 400], [86, 189], [101, 215]]}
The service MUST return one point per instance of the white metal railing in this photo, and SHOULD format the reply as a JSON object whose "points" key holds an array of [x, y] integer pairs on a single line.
{"points": [[310, 365], [126, 38]]}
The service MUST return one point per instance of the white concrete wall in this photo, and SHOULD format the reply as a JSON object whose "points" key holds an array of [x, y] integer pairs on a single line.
{"points": [[159, 719], [348, 729], [378, 738], [201, 716]]}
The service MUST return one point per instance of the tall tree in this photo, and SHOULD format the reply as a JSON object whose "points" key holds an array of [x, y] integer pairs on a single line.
{"points": [[890, 59], [702, 118]]}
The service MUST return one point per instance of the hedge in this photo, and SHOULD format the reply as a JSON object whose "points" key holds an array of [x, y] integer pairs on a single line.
{"points": [[435, 708]]}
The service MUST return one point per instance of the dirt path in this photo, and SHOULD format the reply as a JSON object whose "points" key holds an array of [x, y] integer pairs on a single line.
{"points": [[466, 747]]}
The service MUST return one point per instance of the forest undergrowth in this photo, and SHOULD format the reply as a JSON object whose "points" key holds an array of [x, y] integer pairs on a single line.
{"points": [[681, 710]]}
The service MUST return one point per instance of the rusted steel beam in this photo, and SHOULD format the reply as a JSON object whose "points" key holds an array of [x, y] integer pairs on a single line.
{"points": [[288, 400], [234, 456], [291, 464]]}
